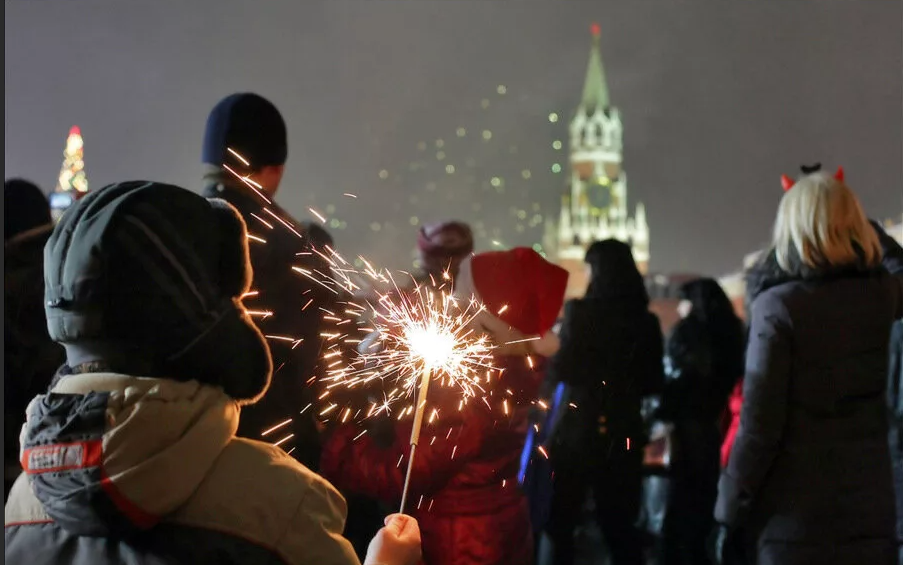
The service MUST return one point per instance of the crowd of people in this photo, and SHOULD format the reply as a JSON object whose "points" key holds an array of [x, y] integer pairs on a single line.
{"points": [[150, 419]]}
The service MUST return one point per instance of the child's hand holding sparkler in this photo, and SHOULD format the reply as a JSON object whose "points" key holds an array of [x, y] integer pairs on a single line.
{"points": [[398, 543]]}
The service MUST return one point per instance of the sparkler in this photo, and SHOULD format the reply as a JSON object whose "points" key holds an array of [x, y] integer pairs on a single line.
{"points": [[415, 434], [415, 338], [421, 337]]}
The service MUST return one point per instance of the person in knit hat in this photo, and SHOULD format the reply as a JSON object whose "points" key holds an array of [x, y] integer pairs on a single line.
{"points": [[442, 246], [464, 477], [132, 455], [30, 357], [246, 135]]}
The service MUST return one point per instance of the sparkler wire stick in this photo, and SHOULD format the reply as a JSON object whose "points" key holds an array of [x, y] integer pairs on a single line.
{"points": [[415, 431]]}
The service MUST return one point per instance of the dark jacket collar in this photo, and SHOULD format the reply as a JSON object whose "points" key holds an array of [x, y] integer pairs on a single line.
{"points": [[766, 274]]}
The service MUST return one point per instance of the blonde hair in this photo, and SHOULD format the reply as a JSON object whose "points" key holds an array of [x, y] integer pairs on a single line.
{"points": [[821, 225]]}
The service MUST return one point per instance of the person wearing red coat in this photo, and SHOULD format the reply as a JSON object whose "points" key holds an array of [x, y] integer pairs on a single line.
{"points": [[464, 489], [733, 406]]}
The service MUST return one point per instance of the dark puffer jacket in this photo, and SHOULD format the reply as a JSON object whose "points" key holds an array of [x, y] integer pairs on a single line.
{"points": [[810, 473], [464, 490]]}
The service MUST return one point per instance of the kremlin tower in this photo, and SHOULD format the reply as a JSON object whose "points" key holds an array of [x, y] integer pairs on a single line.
{"points": [[595, 206]]}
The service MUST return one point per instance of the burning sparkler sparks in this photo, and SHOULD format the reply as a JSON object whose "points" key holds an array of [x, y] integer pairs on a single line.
{"points": [[422, 330], [403, 341], [425, 329]]}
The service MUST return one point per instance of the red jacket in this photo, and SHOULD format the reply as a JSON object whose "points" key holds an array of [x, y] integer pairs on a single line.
{"points": [[734, 404], [464, 490]]}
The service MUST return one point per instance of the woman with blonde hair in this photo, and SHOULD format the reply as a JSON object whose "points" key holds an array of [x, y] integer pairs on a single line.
{"points": [[809, 478]]}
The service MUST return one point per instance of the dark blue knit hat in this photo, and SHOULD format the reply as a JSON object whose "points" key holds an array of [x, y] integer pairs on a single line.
{"points": [[250, 125]]}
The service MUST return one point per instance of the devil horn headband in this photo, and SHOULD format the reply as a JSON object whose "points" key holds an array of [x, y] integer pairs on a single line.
{"points": [[788, 182], [809, 169]]}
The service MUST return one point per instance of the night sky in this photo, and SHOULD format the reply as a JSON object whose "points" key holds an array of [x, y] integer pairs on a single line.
{"points": [[717, 99]]}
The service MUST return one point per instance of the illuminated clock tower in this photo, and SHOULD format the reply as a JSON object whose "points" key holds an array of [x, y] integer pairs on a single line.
{"points": [[595, 206]]}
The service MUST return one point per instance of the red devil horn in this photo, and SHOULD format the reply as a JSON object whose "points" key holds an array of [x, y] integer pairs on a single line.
{"points": [[787, 182], [839, 174]]}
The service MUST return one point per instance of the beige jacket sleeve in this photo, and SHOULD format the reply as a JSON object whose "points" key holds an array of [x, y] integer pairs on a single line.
{"points": [[314, 534]]}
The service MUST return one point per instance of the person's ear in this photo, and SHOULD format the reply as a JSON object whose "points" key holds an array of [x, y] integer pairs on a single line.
{"points": [[269, 177]]}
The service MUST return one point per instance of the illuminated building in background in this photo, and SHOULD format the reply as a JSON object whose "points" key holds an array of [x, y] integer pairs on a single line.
{"points": [[72, 183], [595, 206]]}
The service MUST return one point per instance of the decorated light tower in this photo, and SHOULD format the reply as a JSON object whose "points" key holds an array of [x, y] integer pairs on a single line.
{"points": [[72, 183], [595, 206]]}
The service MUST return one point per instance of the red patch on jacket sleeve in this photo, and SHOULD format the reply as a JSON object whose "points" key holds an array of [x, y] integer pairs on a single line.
{"points": [[62, 457]]}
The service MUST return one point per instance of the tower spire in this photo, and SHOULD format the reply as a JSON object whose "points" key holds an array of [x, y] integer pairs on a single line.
{"points": [[595, 90]]}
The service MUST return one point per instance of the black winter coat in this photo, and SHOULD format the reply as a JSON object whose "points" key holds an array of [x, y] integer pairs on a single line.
{"points": [[810, 473], [702, 370], [895, 372], [611, 358], [31, 358], [295, 303]]}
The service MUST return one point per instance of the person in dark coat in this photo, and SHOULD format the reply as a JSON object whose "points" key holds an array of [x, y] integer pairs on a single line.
{"points": [[464, 490], [895, 403], [30, 358], [246, 133], [704, 360], [809, 479], [611, 358]]}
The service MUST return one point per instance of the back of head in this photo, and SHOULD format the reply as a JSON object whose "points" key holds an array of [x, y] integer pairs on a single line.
{"points": [[710, 303], [614, 273], [444, 245], [249, 125], [317, 236], [146, 279], [25, 208], [318, 246], [820, 227]]}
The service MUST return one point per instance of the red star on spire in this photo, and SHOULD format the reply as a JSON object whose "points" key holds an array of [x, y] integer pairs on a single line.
{"points": [[595, 29]]}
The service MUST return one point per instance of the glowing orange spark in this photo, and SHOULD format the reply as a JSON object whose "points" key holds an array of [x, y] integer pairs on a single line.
{"points": [[318, 215], [239, 157], [283, 440], [276, 427], [262, 221]]}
